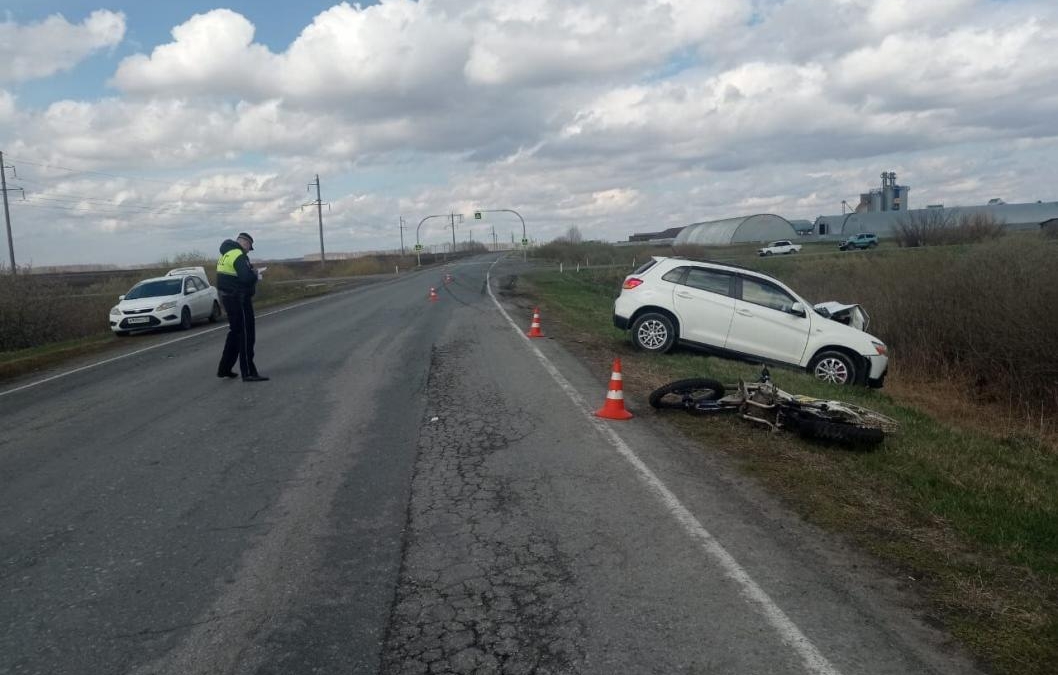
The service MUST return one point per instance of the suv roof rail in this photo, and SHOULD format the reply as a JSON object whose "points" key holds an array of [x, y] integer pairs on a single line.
{"points": [[717, 262]]}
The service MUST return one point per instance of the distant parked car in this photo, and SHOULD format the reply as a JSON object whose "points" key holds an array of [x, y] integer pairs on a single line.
{"points": [[739, 313], [859, 241], [180, 298], [779, 247]]}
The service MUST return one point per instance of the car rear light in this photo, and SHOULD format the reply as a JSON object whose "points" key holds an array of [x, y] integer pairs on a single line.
{"points": [[630, 283]]}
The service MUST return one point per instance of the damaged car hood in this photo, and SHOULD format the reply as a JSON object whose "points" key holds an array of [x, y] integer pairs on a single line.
{"points": [[850, 315]]}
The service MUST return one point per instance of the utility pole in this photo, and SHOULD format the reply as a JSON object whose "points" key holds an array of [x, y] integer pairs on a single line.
{"points": [[7, 212], [402, 236], [452, 218], [319, 213], [494, 238]]}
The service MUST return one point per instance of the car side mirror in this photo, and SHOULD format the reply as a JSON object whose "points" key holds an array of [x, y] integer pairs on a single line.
{"points": [[798, 309], [120, 298]]}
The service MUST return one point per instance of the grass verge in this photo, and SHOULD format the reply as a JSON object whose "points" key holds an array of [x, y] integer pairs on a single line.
{"points": [[966, 514]]}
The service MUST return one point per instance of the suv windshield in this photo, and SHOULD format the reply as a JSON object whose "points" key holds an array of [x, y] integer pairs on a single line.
{"points": [[154, 289]]}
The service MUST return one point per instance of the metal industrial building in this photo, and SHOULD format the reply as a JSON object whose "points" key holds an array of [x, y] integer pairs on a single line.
{"points": [[756, 228], [1011, 216], [880, 211]]}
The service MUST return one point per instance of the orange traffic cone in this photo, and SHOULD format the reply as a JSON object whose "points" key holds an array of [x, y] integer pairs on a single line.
{"points": [[433, 294], [534, 329], [614, 408]]}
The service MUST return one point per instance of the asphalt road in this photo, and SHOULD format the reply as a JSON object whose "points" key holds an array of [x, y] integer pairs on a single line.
{"points": [[417, 490]]}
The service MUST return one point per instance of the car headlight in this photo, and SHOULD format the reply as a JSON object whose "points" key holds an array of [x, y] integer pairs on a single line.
{"points": [[165, 305], [880, 348], [114, 311]]}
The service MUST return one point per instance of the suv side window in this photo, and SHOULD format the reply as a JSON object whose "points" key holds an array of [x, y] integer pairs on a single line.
{"points": [[762, 293], [709, 280], [645, 266]]}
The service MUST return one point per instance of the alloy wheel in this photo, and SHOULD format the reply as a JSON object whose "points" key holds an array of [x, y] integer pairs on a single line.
{"points": [[832, 370], [652, 335]]}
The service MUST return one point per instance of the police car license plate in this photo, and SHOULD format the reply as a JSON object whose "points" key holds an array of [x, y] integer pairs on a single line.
{"points": [[139, 319]]}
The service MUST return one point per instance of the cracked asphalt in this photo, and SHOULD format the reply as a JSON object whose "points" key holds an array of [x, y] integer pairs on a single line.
{"points": [[413, 492], [483, 588]]}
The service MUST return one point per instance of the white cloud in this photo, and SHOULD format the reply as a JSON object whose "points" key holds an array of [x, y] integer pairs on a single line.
{"points": [[41, 49], [211, 53], [7, 107], [615, 115]]}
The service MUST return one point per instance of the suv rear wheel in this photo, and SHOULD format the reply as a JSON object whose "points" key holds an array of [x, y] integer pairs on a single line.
{"points": [[653, 332]]}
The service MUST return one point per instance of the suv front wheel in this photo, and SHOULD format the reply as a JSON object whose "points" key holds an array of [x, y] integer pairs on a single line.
{"points": [[653, 332], [834, 367]]}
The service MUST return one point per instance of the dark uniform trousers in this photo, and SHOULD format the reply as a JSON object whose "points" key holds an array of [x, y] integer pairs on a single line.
{"points": [[241, 334]]}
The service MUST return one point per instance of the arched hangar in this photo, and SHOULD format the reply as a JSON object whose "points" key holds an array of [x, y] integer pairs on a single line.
{"points": [[758, 228]]}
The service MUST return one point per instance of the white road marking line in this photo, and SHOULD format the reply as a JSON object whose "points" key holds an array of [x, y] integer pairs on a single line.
{"points": [[157, 346], [789, 633]]}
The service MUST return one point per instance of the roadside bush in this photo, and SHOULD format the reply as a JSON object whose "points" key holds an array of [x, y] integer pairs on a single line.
{"points": [[937, 227], [982, 317], [1050, 229], [35, 310]]}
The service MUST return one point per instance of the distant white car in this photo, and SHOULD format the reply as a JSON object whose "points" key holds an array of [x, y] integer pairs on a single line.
{"points": [[180, 298], [779, 247]]}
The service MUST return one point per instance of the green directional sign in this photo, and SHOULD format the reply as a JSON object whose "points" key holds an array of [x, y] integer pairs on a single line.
{"points": [[525, 242], [418, 247], [477, 215]]}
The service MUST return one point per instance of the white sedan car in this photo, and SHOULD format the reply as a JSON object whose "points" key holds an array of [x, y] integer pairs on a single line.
{"points": [[180, 298]]}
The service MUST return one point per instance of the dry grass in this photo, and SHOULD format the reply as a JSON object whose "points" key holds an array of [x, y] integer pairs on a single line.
{"points": [[940, 227]]}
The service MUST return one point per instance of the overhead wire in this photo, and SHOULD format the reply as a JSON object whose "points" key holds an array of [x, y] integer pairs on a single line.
{"points": [[22, 160], [162, 208]]}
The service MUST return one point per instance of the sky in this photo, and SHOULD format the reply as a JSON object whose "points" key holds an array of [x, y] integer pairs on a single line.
{"points": [[141, 131]]}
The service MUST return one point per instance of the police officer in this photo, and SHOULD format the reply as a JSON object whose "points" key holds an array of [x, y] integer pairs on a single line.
{"points": [[236, 283]]}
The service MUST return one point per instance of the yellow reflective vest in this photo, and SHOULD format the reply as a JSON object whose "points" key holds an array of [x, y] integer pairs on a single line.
{"points": [[226, 263]]}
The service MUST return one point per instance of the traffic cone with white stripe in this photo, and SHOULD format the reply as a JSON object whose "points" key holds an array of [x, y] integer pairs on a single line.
{"points": [[433, 294], [614, 408], [534, 329]]}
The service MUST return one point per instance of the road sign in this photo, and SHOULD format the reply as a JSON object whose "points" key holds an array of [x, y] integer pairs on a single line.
{"points": [[477, 215], [525, 242], [418, 247]]}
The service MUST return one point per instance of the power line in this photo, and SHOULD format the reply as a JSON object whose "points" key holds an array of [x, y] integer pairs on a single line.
{"points": [[113, 175], [62, 195], [167, 209]]}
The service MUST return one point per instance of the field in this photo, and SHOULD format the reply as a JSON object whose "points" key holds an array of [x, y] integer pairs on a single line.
{"points": [[962, 505]]}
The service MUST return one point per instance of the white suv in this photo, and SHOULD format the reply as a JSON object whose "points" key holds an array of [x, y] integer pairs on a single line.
{"points": [[745, 314]]}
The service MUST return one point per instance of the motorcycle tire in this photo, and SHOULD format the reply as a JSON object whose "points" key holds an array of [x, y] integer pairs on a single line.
{"points": [[685, 394], [839, 432]]}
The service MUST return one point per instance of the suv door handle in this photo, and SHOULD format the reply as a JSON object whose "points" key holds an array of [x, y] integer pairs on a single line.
{"points": [[744, 312], [682, 294]]}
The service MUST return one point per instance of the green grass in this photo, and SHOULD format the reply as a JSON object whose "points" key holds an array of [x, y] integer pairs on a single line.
{"points": [[972, 516]]}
